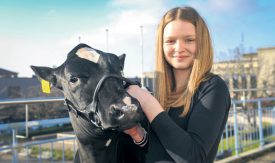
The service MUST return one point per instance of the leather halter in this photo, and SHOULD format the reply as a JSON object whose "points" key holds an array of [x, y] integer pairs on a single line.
{"points": [[90, 112]]}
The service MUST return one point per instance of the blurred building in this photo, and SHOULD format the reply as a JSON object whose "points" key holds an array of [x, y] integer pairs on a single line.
{"points": [[12, 86], [252, 71], [266, 61], [7, 74], [149, 80]]}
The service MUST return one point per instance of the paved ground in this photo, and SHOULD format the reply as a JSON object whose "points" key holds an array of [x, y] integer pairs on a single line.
{"points": [[4, 159], [33, 161], [267, 158]]}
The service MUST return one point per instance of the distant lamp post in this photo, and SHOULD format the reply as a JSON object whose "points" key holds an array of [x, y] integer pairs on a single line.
{"points": [[141, 46], [79, 39], [107, 40]]}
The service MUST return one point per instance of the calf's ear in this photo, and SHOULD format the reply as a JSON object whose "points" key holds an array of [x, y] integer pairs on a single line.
{"points": [[45, 73], [122, 59]]}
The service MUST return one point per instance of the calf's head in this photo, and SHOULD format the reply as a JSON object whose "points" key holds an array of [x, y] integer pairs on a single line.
{"points": [[94, 87]]}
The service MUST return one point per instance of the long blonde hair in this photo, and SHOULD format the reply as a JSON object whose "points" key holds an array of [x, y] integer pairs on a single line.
{"points": [[165, 80]]}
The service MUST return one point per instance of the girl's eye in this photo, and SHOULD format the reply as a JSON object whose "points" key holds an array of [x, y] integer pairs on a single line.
{"points": [[189, 40], [169, 41]]}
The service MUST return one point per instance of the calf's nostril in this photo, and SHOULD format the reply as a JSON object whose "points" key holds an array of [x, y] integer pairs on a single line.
{"points": [[116, 111]]}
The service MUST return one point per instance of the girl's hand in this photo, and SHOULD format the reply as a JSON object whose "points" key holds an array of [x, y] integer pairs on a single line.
{"points": [[149, 104], [140, 94]]}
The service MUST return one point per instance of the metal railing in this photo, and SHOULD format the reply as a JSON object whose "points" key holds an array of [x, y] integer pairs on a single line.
{"points": [[50, 150], [250, 125], [32, 151], [26, 102]]}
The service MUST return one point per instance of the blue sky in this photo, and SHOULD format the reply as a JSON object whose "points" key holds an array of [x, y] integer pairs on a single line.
{"points": [[42, 32]]}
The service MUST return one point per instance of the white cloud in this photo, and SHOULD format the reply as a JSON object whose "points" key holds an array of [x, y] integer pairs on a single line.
{"points": [[230, 7], [124, 33], [17, 54]]}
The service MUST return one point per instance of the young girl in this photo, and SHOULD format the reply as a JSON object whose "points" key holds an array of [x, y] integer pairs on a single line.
{"points": [[190, 110]]}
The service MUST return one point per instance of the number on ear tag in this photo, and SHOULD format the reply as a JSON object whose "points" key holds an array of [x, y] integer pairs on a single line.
{"points": [[45, 85]]}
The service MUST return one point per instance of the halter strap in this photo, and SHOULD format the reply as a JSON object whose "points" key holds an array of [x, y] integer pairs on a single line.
{"points": [[90, 112]]}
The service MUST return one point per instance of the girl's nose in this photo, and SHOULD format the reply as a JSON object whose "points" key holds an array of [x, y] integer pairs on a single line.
{"points": [[179, 46]]}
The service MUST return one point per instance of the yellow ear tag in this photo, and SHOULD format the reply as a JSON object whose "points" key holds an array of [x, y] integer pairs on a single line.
{"points": [[45, 85]]}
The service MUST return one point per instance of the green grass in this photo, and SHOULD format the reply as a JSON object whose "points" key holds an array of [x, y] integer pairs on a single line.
{"points": [[246, 145], [57, 153]]}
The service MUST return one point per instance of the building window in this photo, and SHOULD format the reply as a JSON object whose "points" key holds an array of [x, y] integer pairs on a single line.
{"points": [[235, 81], [253, 83], [244, 81]]}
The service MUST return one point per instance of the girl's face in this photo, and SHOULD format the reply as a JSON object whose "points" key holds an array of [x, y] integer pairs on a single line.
{"points": [[179, 44]]}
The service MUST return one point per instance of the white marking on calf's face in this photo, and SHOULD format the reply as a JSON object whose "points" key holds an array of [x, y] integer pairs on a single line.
{"points": [[89, 54], [127, 101]]}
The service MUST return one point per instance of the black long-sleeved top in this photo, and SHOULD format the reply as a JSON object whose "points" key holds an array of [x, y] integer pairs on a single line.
{"points": [[195, 137]]}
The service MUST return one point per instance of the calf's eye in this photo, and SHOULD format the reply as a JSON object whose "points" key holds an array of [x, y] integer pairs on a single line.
{"points": [[73, 80]]}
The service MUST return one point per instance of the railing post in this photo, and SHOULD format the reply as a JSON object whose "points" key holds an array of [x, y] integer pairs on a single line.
{"points": [[236, 130], [74, 147], [273, 121], [244, 98], [52, 151], [27, 154], [260, 124], [63, 153], [226, 135], [221, 144], [40, 153], [14, 145], [27, 120]]}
